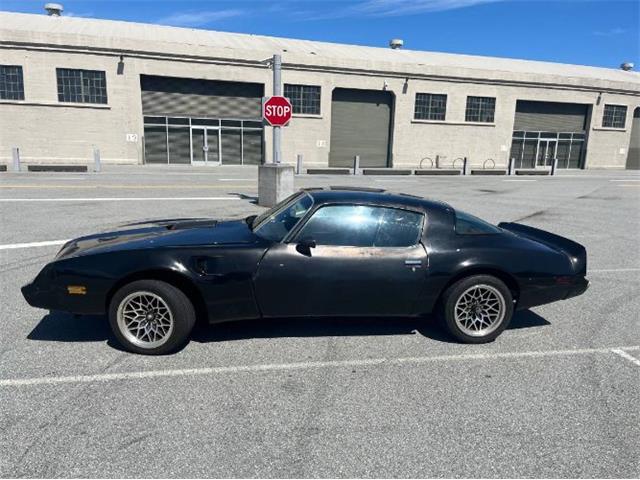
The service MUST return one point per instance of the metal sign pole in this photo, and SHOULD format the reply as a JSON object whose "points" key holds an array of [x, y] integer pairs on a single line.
{"points": [[277, 91]]}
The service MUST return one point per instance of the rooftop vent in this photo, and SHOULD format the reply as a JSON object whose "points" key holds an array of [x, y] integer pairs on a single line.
{"points": [[627, 66], [53, 9], [396, 43]]}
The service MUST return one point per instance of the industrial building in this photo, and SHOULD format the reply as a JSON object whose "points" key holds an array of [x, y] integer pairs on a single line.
{"points": [[162, 95]]}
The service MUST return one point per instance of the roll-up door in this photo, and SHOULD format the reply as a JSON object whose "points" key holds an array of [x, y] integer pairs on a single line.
{"points": [[200, 98], [550, 116], [360, 125]]}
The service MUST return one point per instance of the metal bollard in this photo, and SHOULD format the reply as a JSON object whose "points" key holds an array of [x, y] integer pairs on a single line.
{"points": [[437, 161], [15, 151], [464, 166], [299, 164], [96, 159], [356, 164], [510, 167], [554, 166]]}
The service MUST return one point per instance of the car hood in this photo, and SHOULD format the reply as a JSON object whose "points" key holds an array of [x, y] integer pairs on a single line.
{"points": [[162, 233]]}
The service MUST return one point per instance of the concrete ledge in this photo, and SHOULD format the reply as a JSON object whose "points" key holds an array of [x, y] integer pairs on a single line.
{"points": [[275, 183], [385, 171], [438, 171], [488, 171], [57, 168], [3, 168], [532, 171], [329, 171]]}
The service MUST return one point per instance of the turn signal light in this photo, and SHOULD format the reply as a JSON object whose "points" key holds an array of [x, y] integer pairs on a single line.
{"points": [[77, 290]]}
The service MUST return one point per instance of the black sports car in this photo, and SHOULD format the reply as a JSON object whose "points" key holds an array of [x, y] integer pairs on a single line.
{"points": [[321, 252]]}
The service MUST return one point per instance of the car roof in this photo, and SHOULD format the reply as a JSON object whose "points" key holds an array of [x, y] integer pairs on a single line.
{"points": [[375, 196]]}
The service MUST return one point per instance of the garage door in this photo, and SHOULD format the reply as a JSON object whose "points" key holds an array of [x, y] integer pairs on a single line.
{"points": [[360, 125], [550, 116]]}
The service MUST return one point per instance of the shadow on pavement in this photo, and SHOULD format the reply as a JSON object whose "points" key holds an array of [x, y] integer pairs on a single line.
{"points": [[64, 327], [251, 198]]}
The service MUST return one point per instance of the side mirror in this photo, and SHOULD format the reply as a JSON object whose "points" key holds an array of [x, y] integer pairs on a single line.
{"points": [[250, 220], [305, 245]]}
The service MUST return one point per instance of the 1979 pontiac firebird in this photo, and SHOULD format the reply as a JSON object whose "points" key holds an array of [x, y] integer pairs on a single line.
{"points": [[321, 252]]}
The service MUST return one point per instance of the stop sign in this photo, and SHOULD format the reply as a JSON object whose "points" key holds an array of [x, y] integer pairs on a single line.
{"points": [[277, 111]]}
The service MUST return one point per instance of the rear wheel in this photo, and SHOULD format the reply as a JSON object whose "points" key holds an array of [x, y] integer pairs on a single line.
{"points": [[477, 309], [151, 317]]}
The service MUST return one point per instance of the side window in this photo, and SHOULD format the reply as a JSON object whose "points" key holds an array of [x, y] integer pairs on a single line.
{"points": [[399, 228], [469, 225], [363, 226]]}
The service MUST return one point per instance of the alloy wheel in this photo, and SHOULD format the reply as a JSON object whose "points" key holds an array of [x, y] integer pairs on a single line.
{"points": [[145, 319], [479, 310]]}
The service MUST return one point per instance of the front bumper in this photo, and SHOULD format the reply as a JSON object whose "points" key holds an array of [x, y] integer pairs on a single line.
{"points": [[52, 296], [38, 297]]}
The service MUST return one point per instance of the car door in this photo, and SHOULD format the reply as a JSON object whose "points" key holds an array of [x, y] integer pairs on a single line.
{"points": [[346, 259]]}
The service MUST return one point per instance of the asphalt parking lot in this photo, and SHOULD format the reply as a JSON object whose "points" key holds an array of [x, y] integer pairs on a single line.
{"points": [[556, 395]]}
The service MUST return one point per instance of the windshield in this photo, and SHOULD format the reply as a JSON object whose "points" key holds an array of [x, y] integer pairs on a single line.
{"points": [[274, 224]]}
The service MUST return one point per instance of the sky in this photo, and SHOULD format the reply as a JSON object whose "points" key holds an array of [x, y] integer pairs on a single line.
{"points": [[602, 33]]}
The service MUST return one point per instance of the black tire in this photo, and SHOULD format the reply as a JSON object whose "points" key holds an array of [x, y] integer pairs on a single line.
{"points": [[181, 313], [456, 291]]}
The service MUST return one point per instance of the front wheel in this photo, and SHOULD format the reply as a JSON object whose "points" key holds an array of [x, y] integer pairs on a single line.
{"points": [[477, 309], [151, 317]]}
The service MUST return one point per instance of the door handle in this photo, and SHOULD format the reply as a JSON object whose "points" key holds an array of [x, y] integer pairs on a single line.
{"points": [[413, 263]]}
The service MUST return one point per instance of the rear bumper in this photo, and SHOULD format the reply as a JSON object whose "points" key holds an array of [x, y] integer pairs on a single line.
{"points": [[548, 292], [578, 288]]}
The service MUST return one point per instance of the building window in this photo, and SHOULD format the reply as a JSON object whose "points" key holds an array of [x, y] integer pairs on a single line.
{"points": [[615, 116], [430, 106], [11, 83], [480, 109], [304, 98], [81, 86]]}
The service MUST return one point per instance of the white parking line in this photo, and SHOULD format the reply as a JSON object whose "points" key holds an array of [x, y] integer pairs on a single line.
{"points": [[236, 179], [603, 270], [117, 199], [274, 367], [519, 180], [625, 180], [624, 354], [12, 246]]}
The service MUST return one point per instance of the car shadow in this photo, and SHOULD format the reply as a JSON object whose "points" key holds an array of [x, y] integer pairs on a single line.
{"points": [[65, 327]]}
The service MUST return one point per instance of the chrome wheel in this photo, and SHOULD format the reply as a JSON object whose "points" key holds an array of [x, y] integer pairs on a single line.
{"points": [[145, 319], [479, 310]]}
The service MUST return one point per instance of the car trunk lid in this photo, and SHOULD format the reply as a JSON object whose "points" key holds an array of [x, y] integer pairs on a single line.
{"points": [[576, 253]]}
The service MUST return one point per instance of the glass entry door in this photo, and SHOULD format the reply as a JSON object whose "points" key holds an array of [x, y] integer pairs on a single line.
{"points": [[546, 153], [205, 146]]}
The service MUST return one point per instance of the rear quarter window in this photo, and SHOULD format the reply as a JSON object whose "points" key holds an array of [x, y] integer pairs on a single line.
{"points": [[467, 224]]}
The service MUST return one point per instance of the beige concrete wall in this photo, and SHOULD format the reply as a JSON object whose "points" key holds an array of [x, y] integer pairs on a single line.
{"points": [[48, 131]]}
